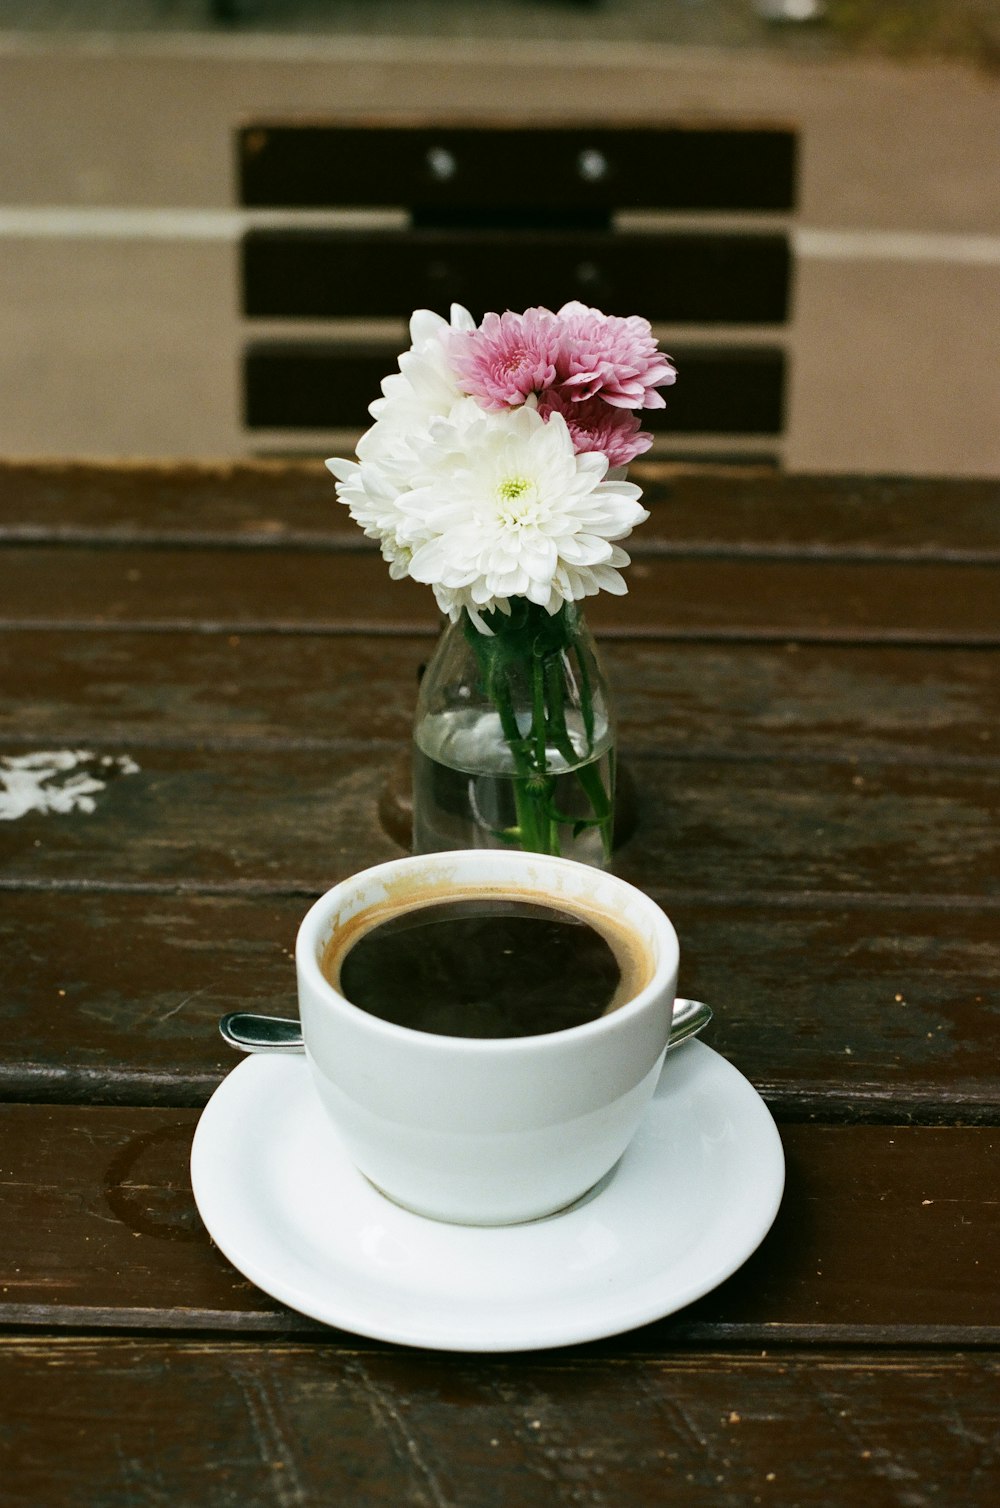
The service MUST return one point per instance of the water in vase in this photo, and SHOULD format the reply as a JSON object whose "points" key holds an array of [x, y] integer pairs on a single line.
{"points": [[467, 792]]}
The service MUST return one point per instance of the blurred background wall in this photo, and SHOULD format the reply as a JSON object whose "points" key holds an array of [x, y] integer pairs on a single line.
{"points": [[120, 225]]}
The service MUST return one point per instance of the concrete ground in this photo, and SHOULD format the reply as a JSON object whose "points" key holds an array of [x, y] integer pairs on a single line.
{"points": [[119, 227], [898, 28]]}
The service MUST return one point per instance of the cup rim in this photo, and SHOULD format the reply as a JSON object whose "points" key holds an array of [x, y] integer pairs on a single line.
{"points": [[310, 973]]}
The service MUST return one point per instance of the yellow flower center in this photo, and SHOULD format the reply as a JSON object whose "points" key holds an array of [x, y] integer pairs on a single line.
{"points": [[515, 501], [512, 488]]}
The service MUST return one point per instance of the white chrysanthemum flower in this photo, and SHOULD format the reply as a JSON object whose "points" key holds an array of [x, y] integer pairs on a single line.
{"points": [[424, 388], [373, 488], [501, 506], [371, 492], [484, 506]]}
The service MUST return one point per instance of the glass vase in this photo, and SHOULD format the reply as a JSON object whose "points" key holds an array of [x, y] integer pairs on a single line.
{"points": [[514, 738]]}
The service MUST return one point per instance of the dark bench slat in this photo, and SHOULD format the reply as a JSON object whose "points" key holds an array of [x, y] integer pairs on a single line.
{"points": [[675, 167], [728, 390], [688, 279], [315, 386], [508, 218]]}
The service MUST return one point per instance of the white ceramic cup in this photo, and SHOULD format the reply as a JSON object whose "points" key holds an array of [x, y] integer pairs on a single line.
{"points": [[485, 1131]]}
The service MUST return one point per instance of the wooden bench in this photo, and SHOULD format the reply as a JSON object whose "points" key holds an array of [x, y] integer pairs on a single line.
{"points": [[661, 220]]}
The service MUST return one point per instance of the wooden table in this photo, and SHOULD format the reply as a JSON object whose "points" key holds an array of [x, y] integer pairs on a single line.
{"points": [[809, 679]]}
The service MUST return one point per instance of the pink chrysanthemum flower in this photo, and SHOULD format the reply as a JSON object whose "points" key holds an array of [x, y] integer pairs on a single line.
{"points": [[610, 356], [508, 357], [595, 425]]}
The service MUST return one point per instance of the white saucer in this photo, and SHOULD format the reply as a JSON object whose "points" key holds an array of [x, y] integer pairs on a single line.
{"points": [[693, 1196]]}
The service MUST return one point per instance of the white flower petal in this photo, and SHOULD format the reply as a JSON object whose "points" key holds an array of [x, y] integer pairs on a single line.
{"points": [[461, 319], [345, 471], [608, 580], [426, 325]]}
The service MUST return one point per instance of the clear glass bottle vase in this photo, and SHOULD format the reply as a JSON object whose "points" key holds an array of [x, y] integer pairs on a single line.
{"points": [[514, 738]]}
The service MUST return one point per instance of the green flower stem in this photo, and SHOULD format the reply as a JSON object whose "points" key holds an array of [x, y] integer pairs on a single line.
{"points": [[531, 820], [589, 777], [532, 644], [541, 794], [558, 731], [538, 729], [493, 682], [587, 774], [586, 699]]}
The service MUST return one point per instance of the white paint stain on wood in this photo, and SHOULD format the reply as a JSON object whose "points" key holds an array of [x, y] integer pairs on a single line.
{"points": [[57, 781]]}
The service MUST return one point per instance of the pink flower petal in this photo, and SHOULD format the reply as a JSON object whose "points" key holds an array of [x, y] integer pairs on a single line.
{"points": [[612, 356], [595, 425], [508, 357]]}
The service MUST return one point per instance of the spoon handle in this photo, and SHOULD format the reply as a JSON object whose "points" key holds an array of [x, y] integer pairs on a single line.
{"points": [[252, 1033], [690, 1017]]}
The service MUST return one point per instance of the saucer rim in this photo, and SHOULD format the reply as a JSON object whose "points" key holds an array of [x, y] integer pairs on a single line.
{"points": [[334, 1311]]}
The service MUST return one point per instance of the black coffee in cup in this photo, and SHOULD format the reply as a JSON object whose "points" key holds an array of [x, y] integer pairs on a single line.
{"points": [[486, 965]]}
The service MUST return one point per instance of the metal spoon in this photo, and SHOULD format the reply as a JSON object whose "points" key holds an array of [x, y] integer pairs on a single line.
{"points": [[252, 1033]]}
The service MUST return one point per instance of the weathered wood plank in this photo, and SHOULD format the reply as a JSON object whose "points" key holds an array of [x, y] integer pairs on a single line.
{"points": [[118, 997], [845, 1013], [243, 504], [115, 1420], [906, 602], [225, 818], [796, 701], [101, 1420], [294, 820], [115, 998], [101, 1229], [854, 829], [314, 689], [756, 513], [277, 504]]}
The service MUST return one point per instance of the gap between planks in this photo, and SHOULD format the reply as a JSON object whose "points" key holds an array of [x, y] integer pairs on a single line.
{"points": [[127, 1089], [422, 627], [68, 537], [777, 900], [111, 739]]}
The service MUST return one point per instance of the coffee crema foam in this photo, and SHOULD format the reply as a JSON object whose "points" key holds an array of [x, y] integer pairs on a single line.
{"points": [[487, 961]]}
